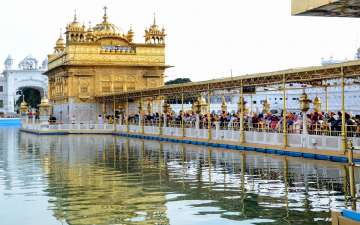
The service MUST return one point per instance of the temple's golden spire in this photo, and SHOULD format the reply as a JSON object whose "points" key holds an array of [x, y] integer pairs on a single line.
{"points": [[105, 17], [154, 19], [90, 29], [130, 34], [60, 43], [75, 16]]}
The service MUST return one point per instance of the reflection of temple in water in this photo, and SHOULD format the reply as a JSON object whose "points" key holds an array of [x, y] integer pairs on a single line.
{"points": [[88, 185], [105, 179]]}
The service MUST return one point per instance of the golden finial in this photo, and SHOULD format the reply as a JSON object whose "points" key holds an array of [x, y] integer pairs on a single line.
{"points": [[154, 19], [75, 16], [105, 17]]}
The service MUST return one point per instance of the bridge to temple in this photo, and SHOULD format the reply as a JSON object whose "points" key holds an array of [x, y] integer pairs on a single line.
{"points": [[159, 119]]}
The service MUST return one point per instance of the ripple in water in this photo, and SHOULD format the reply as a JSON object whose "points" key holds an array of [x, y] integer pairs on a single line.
{"points": [[88, 180]]}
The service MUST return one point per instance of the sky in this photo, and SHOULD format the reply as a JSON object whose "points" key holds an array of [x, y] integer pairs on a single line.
{"points": [[206, 39]]}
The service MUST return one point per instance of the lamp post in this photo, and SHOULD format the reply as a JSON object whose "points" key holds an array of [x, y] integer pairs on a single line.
{"points": [[223, 104], [45, 111], [304, 107], [317, 104], [266, 106]]}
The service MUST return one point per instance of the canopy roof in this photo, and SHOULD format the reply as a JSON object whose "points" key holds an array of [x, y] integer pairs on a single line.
{"points": [[327, 8], [317, 75]]}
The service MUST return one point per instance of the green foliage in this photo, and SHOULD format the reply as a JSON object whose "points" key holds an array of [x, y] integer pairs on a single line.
{"points": [[178, 81], [32, 97]]}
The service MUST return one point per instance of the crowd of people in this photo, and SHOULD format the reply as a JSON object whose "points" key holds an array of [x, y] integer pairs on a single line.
{"points": [[317, 122]]}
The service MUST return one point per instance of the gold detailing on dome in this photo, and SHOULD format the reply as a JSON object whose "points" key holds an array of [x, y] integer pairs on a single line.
{"points": [[60, 44], [75, 32], [107, 28], [154, 35]]}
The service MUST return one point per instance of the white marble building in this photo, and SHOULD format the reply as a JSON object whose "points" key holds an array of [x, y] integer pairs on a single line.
{"points": [[27, 74]]}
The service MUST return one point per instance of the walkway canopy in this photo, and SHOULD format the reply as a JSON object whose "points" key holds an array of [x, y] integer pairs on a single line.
{"points": [[314, 76], [328, 8]]}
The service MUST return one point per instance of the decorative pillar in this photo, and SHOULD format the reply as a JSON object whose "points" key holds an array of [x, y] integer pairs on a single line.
{"points": [[166, 110], [127, 115], [149, 107], [326, 99], [343, 125], [196, 107], [23, 111], [141, 115], [160, 113], [45, 111], [182, 113], [304, 107], [266, 106], [284, 112], [241, 109], [223, 104], [114, 109], [352, 174], [209, 113], [251, 105]]}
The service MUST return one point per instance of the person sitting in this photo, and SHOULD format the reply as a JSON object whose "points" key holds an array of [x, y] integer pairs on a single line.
{"points": [[52, 119]]}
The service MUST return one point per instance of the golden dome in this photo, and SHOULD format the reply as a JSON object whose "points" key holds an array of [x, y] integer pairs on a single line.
{"points": [[75, 25], [23, 104], [106, 27], [60, 42], [130, 35]]}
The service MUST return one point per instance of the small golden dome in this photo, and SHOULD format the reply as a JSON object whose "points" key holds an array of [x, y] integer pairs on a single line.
{"points": [[75, 25], [60, 42], [23, 104]]}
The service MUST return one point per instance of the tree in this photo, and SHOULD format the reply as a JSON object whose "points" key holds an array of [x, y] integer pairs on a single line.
{"points": [[178, 81]]}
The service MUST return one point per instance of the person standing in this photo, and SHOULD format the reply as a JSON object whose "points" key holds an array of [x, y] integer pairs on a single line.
{"points": [[100, 119]]}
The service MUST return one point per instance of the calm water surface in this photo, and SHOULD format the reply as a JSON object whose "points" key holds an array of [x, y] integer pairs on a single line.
{"points": [[84, 179]]}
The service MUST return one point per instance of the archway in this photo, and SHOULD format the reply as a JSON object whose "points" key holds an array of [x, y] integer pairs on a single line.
{"points": [[31, 95]]}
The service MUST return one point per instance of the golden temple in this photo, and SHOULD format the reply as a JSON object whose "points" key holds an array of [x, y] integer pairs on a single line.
{"points": [[93, 61]]}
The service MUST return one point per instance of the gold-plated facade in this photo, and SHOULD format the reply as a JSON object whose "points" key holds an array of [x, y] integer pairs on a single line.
{"points": [[103, 60]]}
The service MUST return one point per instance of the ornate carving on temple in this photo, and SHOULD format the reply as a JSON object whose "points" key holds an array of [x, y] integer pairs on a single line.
{"points": [[28, 63], [108, 60]]}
